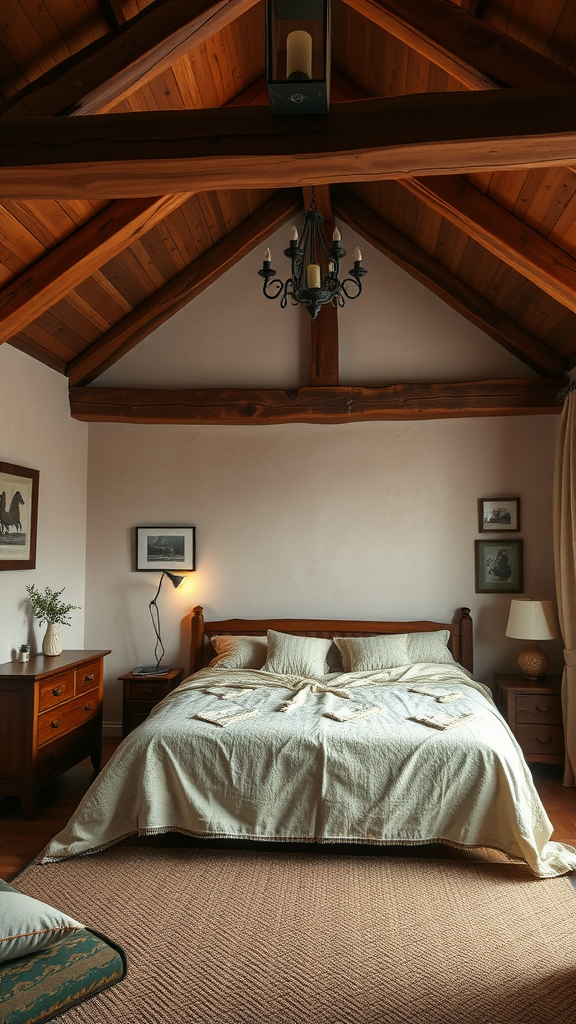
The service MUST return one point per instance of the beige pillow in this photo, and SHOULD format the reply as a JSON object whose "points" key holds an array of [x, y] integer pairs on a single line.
{"points": [[290, 655], [28, 925], [239, 651], [381, 652]]}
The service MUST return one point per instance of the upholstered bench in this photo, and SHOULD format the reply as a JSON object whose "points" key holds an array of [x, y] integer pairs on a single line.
{"points": [[49, 962]]}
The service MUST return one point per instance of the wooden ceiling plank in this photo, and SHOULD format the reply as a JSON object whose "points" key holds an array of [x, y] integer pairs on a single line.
{"points": [[36, 351], [522, 396], [129, 155], [507, 237], [182, 289], [93, 245], [445, 285], [471, 51], [112, 67], [324, 350]]}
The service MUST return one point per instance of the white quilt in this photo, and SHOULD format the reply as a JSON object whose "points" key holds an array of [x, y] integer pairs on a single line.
{"points": [[292, 773]]}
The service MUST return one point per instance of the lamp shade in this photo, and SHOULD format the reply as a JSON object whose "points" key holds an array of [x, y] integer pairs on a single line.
{"points": [[532, 620]]}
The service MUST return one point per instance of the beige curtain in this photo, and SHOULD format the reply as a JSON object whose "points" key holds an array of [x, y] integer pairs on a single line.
{"points": [[565, 565]]}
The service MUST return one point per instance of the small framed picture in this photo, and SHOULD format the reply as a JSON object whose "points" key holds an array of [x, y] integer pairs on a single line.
{"points": [[499, 566], [18, 516], [496, 515], [165, 547]]}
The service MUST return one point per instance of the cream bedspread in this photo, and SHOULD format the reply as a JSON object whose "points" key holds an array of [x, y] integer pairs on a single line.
{"points": [[303, 776]]}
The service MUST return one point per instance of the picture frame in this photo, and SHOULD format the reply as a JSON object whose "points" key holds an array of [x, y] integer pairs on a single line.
{"points": [[498, 515], [18, 516], [165, 547], [499, 566]]}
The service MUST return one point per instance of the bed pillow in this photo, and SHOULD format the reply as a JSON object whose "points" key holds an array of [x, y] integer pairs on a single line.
{"points": [[290, 655], [378, 653], [27, 925], [239, 651]]}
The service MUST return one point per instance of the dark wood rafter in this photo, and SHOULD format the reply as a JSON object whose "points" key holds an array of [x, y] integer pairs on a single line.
{"points": [[473, 52], [139, 154], [183, 288], [524, 396], [63, 268], [447, 286], [323, 330], [96, 78], [510, 239]]}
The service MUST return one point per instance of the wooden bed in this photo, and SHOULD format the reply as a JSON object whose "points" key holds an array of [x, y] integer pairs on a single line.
{"points": [[201, 650]]}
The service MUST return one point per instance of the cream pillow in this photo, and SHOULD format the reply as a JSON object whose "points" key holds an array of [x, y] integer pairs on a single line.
{"points": [[27, 925], [239, 651], [290, 655], [381, 652]]}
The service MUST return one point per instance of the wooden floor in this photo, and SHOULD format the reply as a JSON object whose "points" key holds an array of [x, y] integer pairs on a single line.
{"points": [[21, 840]]}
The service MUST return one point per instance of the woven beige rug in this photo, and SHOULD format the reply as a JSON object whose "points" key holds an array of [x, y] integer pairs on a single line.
{"points": [[242, 937]]}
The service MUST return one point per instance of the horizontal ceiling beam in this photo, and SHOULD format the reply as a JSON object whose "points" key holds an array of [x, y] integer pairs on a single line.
{"points": [[99, 76], [471, 51], [456, 293], [123, 155], [63, 268], [238, 406], [178, 292]]}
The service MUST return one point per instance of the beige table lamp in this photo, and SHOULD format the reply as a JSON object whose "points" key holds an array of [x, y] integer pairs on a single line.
{"points": [[532, 620]]}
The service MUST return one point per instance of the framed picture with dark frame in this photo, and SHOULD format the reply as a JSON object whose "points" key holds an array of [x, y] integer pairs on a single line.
{"points": [[499, 566], [18, 516], [496, 515], [165, 547]]}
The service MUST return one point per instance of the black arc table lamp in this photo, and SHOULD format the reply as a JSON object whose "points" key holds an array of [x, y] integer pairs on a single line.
{"points": [[159, 652]]}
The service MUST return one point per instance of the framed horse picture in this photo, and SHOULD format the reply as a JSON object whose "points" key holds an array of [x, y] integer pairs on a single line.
{"points": [[18, 516]]}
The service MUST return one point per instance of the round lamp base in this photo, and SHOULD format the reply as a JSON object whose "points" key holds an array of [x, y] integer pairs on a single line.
{"points": [[533, 662]]}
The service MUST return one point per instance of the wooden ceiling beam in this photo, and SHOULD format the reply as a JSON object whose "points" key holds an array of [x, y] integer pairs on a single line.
{"points": [[510, 239], [447, 286], [138, 154], [99, 76], [524, 396], [183, 288], [471, 51], [324, 352], [63, 268]]}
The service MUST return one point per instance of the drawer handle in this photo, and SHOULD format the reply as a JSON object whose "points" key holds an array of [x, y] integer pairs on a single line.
{"points": [[549, 740], [147, 691], [88, 707], [57, 691], [54, 757], [56, 723], [89, 679], [544, 711]]}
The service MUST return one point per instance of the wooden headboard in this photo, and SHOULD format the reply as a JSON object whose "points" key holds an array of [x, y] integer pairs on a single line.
{"points": [[201, 650]]}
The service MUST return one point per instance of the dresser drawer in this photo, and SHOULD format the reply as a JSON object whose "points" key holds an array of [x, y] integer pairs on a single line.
{"points": [[541, 739], [536, 708], [56, 690], [63, 753], [59, 720], [89, 677]]}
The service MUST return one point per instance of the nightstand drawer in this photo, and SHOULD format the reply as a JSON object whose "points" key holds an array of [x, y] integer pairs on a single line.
{"points": [[55, 691], [146, 691], [536, 708], [541, 739], [59, 720]]}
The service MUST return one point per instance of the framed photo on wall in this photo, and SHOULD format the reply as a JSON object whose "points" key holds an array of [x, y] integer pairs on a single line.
{"points": [[18, 516], [496, 515], [165, 547], [499, 566]]}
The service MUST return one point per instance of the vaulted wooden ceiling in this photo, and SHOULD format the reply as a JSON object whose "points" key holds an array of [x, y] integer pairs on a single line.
{"points": [[140, 161]]}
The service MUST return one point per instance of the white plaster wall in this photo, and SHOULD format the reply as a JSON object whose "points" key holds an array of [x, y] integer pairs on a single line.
{"points": [[36, 431], [366, 520]]}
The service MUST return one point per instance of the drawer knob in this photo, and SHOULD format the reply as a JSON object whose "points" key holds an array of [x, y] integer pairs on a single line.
{"points": [[56, 723], [548, 740], [147, 691], [544, 711], [57, 691], [89, 679], [88, 707]]}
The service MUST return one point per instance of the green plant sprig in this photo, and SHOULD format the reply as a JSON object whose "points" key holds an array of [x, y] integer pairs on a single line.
{"points": [[47, 607]]}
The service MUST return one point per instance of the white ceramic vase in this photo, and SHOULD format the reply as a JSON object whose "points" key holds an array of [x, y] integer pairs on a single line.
{"points": [[52, 642]]}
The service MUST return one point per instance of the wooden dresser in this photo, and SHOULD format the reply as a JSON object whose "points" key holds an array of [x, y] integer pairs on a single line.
{"points": [[533, 710], [50, 718]]}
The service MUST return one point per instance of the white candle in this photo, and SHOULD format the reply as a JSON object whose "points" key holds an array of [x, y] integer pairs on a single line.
{"points": [[336, 236], [331, 267], [299, 54], [267, 256], [357, 255], [313, 279], [294, 235]]}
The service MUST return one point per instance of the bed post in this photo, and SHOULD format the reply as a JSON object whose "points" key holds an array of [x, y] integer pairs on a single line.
{"points": [[466, 647], [196, 638]]}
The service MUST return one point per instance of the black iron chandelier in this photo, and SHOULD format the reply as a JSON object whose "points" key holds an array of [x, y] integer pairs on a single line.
{"points": [[315, 279]]}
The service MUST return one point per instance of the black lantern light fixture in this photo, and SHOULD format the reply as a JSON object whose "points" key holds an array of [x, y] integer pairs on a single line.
{"points": [[298, 56], [315, 279]]}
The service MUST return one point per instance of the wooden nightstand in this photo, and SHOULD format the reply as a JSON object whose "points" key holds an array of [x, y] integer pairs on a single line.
{"points": [[50, 718], [142, 693], [533, 710]]}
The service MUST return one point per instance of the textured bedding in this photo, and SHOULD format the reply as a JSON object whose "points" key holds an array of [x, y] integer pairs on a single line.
{"points": [[292, 773]]}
